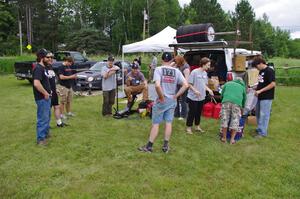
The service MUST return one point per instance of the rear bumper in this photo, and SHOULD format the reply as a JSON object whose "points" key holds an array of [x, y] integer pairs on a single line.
{"points": [[23, 76]]}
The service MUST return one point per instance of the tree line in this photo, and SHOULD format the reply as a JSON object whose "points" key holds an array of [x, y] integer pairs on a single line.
{"points": [[101, 26]]}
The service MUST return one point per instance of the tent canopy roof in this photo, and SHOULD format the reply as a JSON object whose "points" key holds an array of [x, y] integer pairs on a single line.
{"points": [[157, 43]]}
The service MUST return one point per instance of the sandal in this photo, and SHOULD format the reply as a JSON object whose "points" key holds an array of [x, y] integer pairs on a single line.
{"points": [[222, 140], [200, 130]]}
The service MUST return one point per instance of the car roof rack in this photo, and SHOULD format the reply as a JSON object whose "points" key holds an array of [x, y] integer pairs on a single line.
{"points": [[212, 44]]}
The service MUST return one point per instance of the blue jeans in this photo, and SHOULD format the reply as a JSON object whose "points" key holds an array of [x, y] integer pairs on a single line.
{"points": [[263, 111], [43, 118]]}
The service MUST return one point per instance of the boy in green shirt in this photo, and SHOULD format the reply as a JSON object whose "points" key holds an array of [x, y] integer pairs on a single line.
{"points": [[233, 100]]}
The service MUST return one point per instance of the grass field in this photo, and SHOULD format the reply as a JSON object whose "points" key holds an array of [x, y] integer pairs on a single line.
{"points": [[97, 157]]}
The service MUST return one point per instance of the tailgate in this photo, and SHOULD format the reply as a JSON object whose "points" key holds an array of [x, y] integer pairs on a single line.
{"points": [[23, 67]]}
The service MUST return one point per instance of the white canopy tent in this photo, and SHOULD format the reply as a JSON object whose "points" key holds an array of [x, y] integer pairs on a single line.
{"points": [[157, 43]]}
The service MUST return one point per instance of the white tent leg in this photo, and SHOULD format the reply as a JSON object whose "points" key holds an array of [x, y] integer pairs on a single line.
{"points": [[123, 71]]}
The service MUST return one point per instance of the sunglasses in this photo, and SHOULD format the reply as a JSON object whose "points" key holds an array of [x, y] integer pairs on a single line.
{"points": [[49, 57]]}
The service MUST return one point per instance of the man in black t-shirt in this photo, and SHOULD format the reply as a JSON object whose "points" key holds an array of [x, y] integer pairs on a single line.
{"points": [[265, 94], [64, 89], [54, 98], [42, 96]]}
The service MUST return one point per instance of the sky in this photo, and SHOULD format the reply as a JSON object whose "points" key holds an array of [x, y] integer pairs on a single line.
{"points": [[282, 13]]}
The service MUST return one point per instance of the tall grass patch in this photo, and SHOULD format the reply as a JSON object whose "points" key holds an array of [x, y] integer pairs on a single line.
{"points": [[7, 63]]}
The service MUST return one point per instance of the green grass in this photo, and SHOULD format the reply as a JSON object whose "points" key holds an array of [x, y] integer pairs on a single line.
{"points": [[97, 157]]}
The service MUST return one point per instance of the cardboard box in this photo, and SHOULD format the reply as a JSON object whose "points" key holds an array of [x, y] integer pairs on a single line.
{"points": [[239, 63], [252, 75], [213, 83], [251, 120]]}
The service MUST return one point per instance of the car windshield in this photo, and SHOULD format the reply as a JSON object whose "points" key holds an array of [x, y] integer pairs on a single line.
{"points": [[98, 66], [59, 56]]}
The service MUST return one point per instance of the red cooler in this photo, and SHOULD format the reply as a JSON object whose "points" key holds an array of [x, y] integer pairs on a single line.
{"points": [[208, 109], [217, 110]]}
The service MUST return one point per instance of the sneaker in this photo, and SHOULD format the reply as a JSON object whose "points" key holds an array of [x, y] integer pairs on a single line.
{"points": [[62, 125], [189, 131], [70, 114], [145, 149], [165, 149], [258, 136], [42, 143], [180, 118]]}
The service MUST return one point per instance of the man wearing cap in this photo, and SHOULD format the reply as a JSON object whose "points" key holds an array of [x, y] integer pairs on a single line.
{"points": [[64, 89], [135, 84], [265, 94], [42, 96], [109, 84], [54, 98], [166, 79]]}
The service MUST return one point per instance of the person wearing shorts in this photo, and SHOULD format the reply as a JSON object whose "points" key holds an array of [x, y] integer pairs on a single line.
{"points": [[54, 98], [166, 79], [64, 89], [233, 100]]}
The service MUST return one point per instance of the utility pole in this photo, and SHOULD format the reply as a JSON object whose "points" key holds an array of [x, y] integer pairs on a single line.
{"points": [[28, 24], [144, 24], [148, 18], [20, 31], [20, 36]]}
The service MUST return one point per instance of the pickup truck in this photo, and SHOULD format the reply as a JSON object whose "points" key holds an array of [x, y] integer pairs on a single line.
{"points": [[23, 70]]}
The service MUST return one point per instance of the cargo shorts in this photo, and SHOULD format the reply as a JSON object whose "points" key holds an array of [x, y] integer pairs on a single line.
{"points": [[230, 113], [65, 94]]}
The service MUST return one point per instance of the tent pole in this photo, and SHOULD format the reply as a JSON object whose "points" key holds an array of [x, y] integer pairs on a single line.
{"points": [[122, 70]]}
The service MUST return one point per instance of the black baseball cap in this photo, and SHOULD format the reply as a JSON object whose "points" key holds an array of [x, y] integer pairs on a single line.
{"points": [[167, 56], [41, 53], [111, 58], [134, 66]]}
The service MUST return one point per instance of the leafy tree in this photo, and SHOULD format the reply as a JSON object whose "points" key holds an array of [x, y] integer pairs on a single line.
{"points": [[209, 11], [294, 48], [90, 40], [8, 32], [244, 15], [263, 36], [281, 39]]}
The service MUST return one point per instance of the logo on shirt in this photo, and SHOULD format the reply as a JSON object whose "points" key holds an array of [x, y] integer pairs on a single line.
{"points": [[261, 78], [51, 74], [168, 75]]}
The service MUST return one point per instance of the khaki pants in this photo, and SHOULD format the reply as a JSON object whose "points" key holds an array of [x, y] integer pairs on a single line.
{"points": [[134, 90]]}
